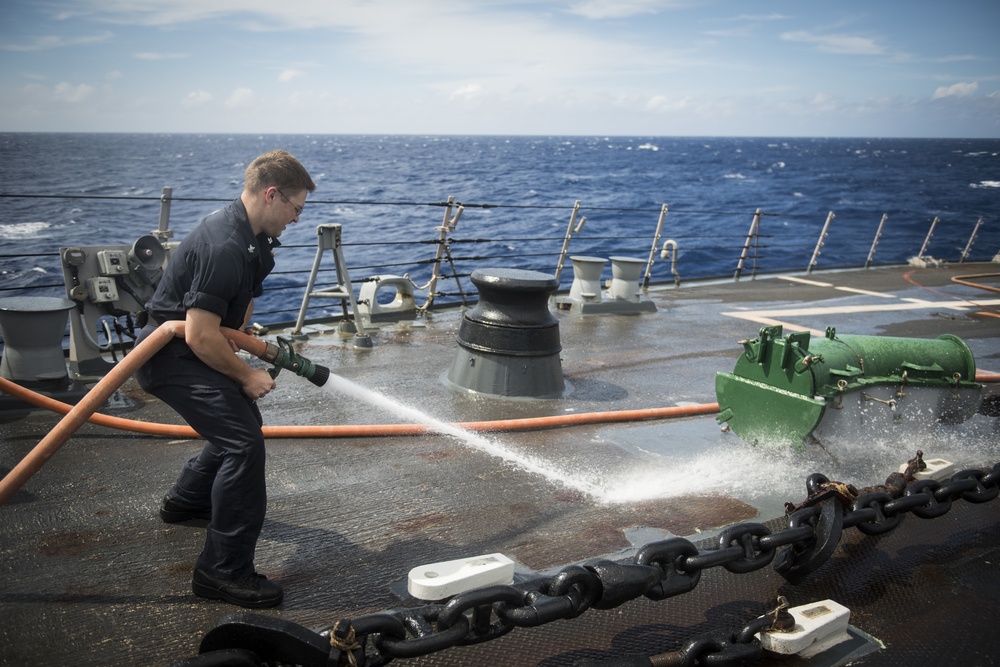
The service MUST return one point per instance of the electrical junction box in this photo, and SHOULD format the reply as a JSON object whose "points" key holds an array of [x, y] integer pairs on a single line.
{"points": [[102, 289], [112, 262]]}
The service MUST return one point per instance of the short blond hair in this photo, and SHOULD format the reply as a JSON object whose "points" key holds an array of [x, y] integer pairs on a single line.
{"points": [[280, 169]]}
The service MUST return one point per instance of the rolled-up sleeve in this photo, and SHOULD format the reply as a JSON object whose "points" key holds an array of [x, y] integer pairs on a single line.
{"points": [[216, 276]]}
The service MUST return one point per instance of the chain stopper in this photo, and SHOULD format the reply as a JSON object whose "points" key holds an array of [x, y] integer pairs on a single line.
{"points": [[344, 642], [781, 619]]}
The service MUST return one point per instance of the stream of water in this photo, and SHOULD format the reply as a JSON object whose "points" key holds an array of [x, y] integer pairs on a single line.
{"points": [[474, 440], [702, 460]]}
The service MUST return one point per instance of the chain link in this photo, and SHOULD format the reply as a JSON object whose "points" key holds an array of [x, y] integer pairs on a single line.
{"points": [[665, 569], [672, 567], [753, 556]]}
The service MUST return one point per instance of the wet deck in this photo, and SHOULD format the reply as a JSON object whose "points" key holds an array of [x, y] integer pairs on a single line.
{"points": [[91, 576]]}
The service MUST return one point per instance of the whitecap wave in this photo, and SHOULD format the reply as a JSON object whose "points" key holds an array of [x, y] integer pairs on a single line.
{"points": [[22, 230], [24, 275], [985, 184]]}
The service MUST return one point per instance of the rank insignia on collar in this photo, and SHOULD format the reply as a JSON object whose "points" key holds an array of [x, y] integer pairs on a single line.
{"points": [[250, 248]]}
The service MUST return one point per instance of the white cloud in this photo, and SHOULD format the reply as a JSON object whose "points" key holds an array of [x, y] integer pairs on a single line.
{"points": [[467, 92], [842, 44], [966, 58], [149, 55], [489, 65], [618, 9], [956, 90], [261, 15], [501, 43], [48, 42], [763, 17], [241, 97], [66, 92], [289, 75], [823, 102], [665, 103], [196, 98]]}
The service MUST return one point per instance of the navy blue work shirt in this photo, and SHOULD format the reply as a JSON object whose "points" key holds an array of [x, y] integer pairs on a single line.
{"points": [[219, 267]]}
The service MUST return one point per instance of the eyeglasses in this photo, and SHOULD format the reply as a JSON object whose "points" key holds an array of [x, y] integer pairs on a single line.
{"points": [[298, 209]]}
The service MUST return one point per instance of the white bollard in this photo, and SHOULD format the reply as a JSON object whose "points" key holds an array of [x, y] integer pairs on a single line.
{"points": [[587, 278], [625, 273]]}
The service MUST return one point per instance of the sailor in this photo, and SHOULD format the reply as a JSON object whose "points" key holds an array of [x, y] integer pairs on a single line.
{"points": [[210, 282]]}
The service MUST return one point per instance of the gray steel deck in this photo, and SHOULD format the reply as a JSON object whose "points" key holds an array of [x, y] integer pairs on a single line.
{"points": [[89, 575]]}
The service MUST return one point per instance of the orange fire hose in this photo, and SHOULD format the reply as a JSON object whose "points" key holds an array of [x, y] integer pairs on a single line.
{"points": [[86, 410], [365, 430], [87, 406], [967, 281]]}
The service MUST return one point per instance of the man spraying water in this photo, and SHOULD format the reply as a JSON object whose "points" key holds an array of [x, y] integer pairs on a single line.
{"points": [[211, 281]]}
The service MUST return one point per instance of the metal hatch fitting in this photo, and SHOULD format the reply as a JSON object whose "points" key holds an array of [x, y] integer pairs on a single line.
{"points": [[785, 389]]}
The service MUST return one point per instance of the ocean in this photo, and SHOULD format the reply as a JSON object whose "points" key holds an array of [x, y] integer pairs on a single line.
{"points": [[60, 190]]}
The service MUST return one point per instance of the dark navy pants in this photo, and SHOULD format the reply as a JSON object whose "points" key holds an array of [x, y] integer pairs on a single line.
{"points": [[228, 474]]}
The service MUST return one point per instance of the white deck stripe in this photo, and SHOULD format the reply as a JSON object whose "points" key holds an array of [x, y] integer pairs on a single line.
{"points": [[770, 322], [816, 283], [770, 317], [805, 282], [866, 292]]}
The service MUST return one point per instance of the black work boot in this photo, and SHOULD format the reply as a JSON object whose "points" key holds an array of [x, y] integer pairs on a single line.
{"points": [[252, 590], [175, 511]]}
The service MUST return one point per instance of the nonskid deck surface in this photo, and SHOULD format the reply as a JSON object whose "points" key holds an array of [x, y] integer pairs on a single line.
{"points": [[91, 576]]}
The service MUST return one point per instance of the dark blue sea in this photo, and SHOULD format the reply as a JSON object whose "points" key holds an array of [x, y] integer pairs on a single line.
{"points": [[60, 190]]}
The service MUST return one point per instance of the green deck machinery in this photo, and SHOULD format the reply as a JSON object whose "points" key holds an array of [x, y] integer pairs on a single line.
{"points": [[796, 389]]}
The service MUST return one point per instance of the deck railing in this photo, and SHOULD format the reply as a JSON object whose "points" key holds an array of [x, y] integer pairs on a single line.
{"points": [[439, 252]]}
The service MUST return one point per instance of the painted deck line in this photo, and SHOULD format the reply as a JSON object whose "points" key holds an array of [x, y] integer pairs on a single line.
{"points": [[803, 281], [771, 322], [770, 317], [855, 290]]}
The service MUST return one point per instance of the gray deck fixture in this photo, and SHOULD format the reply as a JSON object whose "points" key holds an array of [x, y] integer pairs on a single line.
{"points": [[509, 342], [33, 328], [622, 296]]}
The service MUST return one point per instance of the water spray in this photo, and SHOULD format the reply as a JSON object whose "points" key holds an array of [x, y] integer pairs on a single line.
{"points": [[282, 356]]}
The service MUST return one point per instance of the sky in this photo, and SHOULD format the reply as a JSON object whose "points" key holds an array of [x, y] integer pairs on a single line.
{"points": [[911, 68]]}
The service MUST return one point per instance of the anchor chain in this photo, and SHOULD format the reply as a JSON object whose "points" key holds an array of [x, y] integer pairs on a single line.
{"points": [[658, 571], [737, 649]]}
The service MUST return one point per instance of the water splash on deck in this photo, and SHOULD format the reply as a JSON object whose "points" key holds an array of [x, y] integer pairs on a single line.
{"points": [[691, 457]]}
